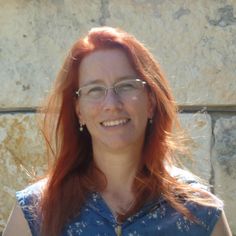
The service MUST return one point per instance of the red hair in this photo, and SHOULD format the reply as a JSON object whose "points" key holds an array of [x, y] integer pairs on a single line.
{"points": [[72, 175]]}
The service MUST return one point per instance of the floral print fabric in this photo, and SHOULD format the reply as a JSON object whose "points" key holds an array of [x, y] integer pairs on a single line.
{"points": [[95, 219]]}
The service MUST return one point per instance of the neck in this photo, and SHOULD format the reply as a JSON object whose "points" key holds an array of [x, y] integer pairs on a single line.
{"points": [[119, 168]]}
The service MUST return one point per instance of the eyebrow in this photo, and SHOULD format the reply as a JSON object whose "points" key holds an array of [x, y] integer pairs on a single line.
{"points": [[100, 81]]}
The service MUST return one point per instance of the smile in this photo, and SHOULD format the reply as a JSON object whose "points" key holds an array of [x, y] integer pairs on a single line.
{"points": [[112, 123]]}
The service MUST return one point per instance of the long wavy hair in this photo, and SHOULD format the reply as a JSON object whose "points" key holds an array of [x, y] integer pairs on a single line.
{"points": [[73, 175]]}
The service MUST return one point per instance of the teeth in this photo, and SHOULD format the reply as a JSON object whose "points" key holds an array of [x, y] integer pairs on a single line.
{"points": [[114, 122]]}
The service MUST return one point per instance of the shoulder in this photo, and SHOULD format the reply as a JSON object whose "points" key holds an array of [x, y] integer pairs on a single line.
{"points": [[28, 200], [32, 190], [187, 177], [31, 194], [204, 205], [201, 187]]}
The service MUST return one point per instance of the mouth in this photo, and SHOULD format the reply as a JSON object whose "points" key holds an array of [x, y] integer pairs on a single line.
{"points": [[113, 123]]}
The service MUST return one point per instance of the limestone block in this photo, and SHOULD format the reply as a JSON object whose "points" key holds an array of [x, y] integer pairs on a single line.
{"points": [[198, 126], [21, 158], [194, 42], [224, 165], [35, 37]]}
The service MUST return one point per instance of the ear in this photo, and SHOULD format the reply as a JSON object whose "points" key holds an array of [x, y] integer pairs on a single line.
{"points": [[151, 104]]}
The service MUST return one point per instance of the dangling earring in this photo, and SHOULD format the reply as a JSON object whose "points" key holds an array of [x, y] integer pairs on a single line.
{"points": [[81, 127], [150, 121]]}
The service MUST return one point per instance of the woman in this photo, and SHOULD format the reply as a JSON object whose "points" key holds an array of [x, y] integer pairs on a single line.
{"points": [[109, 124]]}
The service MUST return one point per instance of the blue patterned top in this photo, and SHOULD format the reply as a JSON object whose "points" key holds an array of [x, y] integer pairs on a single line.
{"points": [[96, 219]]}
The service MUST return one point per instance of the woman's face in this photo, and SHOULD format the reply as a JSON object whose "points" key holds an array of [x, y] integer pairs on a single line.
{"points": [[115, 122]]}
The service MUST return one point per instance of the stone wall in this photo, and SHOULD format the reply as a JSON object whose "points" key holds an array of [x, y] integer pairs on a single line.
{"points": [[195, 42]]}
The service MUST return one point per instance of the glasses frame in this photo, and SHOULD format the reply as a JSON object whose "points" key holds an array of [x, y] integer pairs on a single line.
{"points": [[114, 87]]}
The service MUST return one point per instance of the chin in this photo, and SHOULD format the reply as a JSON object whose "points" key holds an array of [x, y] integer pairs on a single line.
{"points": [[122, 144]]}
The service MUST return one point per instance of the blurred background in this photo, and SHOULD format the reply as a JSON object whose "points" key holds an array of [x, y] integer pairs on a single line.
{"points": [[194, 41]]}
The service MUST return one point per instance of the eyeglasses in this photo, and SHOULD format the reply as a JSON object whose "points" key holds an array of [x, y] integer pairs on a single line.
{"points": [[125, 89]]}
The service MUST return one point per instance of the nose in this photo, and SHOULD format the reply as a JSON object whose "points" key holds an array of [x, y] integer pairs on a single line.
{"points": [[112, 100]]}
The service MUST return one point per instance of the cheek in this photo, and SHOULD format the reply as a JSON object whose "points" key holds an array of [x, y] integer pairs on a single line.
{"points": [[87, 113], [141, 111]]}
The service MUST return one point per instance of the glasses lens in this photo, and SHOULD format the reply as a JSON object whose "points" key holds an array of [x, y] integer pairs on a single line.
{"points": [[129, 88], [126, 89], [92, 92]]}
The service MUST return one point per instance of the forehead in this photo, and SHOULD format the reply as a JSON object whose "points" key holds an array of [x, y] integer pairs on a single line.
{"points": [[105, 65]]}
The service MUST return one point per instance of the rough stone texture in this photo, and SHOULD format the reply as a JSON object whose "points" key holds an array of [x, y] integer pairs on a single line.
{"points": [[21, 158], [199, 128], [224, 164], [193, 40], [35, 37]]}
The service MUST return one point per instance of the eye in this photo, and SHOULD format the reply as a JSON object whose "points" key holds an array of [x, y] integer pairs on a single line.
{"points": [[95, 91], [126, 86]]}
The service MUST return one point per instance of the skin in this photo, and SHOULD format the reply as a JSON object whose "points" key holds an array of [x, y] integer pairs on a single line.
{"points": [[117, 150], [17, 224], [106, 67], [222, 227]]}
